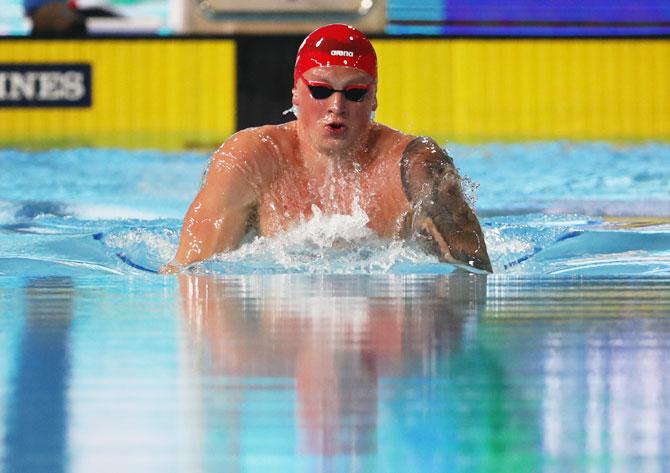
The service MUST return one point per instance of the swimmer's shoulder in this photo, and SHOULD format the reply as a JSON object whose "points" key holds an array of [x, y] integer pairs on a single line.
{"points": [[415, 147], [261, 143], [273, 141], [390, 142], [256, 138], [258, 151], [409, 151]]}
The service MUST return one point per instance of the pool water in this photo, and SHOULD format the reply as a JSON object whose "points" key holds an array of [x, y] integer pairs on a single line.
{"points": [[298, 354], [546, 208]]}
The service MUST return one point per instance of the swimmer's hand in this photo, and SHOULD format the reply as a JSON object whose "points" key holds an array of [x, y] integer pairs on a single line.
{"points": [[170, 268], [442, 216], [455, 243]]}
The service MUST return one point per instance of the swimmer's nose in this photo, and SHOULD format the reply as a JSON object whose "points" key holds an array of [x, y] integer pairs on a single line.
{"points": [[336, 103]]}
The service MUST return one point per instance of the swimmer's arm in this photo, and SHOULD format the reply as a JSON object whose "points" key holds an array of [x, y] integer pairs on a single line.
{"points": [[441, 213], [216, 220]]}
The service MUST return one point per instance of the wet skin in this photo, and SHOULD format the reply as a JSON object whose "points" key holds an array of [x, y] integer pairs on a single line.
{"points": [[333, 157]]}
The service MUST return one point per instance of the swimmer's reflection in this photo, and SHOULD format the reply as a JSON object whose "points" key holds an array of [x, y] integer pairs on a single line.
{"points": [[330, 338]]}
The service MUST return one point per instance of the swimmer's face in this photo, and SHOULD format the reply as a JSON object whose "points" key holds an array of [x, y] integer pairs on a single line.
{"points": [[334, 123]]}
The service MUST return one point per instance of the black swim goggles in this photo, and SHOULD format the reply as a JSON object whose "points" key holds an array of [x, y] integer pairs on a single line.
{"points": [[321, 90]]}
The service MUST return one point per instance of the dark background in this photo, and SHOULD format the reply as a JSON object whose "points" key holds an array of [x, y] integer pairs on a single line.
{"points": [[264, 79]]}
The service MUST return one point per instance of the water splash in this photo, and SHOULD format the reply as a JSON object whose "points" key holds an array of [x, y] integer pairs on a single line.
{"points": [[339, 243], [148, 247], [137, 200]]}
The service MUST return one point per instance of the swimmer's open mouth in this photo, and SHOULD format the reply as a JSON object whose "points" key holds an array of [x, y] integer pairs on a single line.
{"points": [[336, 126]]}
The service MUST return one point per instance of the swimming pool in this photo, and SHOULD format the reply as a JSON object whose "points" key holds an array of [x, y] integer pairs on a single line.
{"points": [[547, 208], [297, 354]]}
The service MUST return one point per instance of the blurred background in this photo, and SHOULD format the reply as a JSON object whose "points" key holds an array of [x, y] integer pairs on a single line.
{"points": [[181, 74]]}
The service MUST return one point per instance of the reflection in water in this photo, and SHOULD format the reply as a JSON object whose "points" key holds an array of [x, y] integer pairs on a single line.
{"points": [[337, 373], [596, 354], [37, 418], [317, 356], [439, 374]]}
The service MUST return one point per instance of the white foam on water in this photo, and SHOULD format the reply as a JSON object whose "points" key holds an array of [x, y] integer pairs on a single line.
{"points": [[496, 243], [111, 212], [7, 211], [328, 231], [337, 243], [144, 244], [505, 248]]}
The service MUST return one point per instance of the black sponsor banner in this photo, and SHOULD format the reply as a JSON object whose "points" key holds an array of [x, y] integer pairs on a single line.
{"points": [[265, 78], [45, 85]]}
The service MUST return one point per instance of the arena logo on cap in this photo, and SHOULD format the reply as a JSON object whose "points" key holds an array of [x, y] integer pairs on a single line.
{"points": [[339, 52], [45, 85]]}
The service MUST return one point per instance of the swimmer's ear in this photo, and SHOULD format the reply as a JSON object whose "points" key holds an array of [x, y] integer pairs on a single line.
{"points": [[374, 99], [294, 96]]}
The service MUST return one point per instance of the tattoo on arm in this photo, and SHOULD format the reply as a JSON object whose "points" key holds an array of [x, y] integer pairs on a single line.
{"points": [[421, 150], [440, 211]]}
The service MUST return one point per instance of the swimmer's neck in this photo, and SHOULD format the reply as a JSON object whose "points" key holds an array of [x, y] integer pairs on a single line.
{"points": [[319, 160]]}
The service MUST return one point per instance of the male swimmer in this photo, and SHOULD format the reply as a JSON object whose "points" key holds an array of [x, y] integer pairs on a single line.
{"points": [[333, 156]]}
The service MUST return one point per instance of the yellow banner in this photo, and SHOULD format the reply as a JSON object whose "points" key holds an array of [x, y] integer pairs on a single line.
{"points": [[154, 93], [180, 93], [526, 89]]}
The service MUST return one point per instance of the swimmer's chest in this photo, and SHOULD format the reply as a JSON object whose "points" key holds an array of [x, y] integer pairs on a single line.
{"points": [[292, 198]]}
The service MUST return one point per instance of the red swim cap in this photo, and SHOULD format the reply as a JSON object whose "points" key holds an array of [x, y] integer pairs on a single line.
{"points": [[336, 45]]}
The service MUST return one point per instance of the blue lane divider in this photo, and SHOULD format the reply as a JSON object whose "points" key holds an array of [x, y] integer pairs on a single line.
{"points": [[123, 257], [537, 249]]}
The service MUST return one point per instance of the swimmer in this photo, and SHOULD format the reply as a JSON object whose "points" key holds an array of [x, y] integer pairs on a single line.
{"points": [[336, 157]]}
